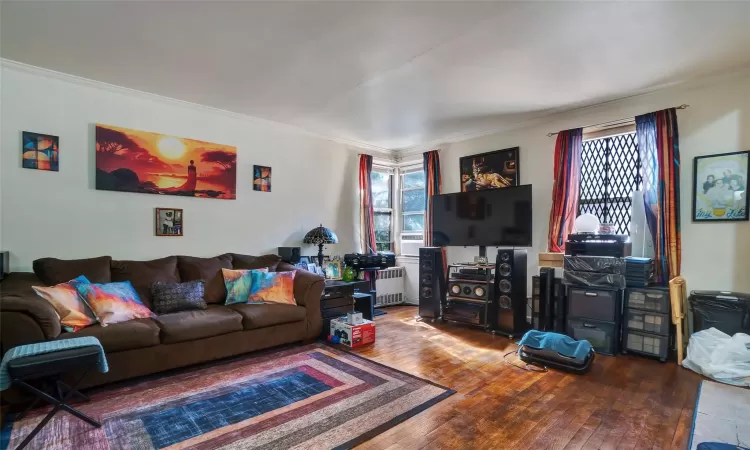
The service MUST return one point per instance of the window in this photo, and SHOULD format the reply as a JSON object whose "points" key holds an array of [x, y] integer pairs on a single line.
{"points": [[610, 172], [382, 200], [401, 219], [412, 209]]}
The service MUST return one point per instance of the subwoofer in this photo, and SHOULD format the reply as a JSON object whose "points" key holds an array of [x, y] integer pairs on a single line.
{"points": [[510, 293], [431, 282]]}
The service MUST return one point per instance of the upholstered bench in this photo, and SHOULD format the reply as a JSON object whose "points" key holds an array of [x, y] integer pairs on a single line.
{"points": [[45, 362]]}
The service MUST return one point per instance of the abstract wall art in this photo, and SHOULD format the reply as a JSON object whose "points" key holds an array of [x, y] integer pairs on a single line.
{"points": [[40, 151], [262, 178]]}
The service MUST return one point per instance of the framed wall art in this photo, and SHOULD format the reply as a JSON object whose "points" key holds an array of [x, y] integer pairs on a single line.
{"points": [[169, 222], [40, 151], [152, 163], [262, 178], [720, 187], [491, 170]]}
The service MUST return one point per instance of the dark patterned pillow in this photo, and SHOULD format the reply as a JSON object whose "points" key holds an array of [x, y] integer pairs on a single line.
{"points": [[173, 297]]}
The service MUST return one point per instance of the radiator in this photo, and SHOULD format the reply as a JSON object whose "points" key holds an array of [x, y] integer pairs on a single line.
{"points": [[390, 284]]}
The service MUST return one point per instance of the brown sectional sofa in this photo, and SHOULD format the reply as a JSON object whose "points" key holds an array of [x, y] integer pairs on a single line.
{"points": [[145, 346]]}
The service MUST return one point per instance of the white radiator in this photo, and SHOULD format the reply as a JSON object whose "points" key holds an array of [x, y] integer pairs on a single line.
{"points": [[390, 284]]}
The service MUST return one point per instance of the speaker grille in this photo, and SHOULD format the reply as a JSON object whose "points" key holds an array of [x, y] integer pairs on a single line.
{"points": [[426, 292], [505, 270], [504, 302]]}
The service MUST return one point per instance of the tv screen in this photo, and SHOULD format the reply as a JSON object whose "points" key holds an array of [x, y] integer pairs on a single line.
{"points": [[493, 217]]}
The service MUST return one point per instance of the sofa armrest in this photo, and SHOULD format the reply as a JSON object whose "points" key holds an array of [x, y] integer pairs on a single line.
{"points": [[25, 317], [308, 287]]}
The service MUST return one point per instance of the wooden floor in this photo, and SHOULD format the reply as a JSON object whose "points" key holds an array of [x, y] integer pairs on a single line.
{"points": [[624, 402]]}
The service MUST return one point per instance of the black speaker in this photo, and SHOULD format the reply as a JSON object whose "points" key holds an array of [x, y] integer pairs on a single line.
{"points": [[470, 289], [431, 282], [560, 306], [510, 293], [289, 254], [4, 267], [546, 298]]}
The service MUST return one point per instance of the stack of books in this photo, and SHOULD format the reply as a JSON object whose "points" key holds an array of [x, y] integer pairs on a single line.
{"points": [[638, 271]]}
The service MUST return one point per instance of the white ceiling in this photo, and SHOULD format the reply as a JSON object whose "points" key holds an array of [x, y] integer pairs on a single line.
{"points": [[387, 74]]}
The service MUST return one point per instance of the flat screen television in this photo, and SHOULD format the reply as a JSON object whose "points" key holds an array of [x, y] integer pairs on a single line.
{"points": [[492, 217]]}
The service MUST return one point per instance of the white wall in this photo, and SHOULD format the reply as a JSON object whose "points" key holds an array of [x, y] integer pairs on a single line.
{"points": [[715, 255], [60, 214]]}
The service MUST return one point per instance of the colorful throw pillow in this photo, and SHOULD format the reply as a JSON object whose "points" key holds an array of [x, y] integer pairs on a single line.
{"points": [[238, 284], [174, 297], [113, 302], [272, 287], [74, 313]]}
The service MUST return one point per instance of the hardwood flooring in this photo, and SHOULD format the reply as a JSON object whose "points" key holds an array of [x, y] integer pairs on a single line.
{"points": [[624, 402]]}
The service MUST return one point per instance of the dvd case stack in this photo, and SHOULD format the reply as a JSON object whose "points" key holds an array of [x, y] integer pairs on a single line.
{"points": [[638, 271]]}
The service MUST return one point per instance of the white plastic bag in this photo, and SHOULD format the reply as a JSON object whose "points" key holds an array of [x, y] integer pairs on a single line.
{"points": [[720, 356]]}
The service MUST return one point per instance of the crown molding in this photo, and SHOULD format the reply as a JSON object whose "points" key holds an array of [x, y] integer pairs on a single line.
{"points": [[551, 114], [87, 82]]}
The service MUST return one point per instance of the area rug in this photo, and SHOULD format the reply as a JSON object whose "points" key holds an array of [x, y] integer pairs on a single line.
{"points": [[722, 415], [311, 397]]}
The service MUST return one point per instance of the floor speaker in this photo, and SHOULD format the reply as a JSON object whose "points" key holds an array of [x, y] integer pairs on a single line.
{"points": [[510, 293], [546, 298], [431, 282]]}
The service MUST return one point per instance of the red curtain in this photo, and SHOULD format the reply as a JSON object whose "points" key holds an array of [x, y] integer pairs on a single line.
{"points": [[366, 211], [658, 144], [433, 186], [566, 180]]}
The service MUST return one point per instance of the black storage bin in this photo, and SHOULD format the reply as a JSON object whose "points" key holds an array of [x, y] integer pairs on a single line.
{"points": [[648, 321], [648, 299], [594, 304], [600, 264], [593, 279], [646, 344], [728, 312], [602, 336]]}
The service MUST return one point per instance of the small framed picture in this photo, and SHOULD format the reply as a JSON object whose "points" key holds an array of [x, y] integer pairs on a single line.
{"points": [[262, 178], [304, 259], [312, 268], [491, 170], [333, 270], [169, 222], [720, 187], [301, 266], [40, 151]]}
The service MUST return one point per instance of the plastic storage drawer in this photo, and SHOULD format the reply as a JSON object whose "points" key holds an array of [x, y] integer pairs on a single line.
{"points": [[593, 304], [650, 322], [646, 344], [648, 299], [601, 335]]}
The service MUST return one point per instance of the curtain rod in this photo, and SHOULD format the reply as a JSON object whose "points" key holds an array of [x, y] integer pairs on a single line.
{"points": [[614, 122]]}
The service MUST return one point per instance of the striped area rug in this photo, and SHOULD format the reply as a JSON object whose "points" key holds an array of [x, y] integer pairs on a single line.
{"points": [[308, 397]]}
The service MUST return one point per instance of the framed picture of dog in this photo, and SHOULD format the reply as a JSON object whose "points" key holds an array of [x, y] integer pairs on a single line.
{"points": [[169, 222], [491, 170]]}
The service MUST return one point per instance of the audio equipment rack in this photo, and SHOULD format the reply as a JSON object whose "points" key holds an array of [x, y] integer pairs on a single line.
{"points": [[470, 295]]}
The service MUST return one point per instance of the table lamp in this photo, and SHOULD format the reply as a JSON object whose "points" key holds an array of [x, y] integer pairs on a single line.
{"points": [[320, 236]]}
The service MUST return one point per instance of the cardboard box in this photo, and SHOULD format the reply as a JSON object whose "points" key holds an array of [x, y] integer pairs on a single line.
{"points": [[353, 335]]}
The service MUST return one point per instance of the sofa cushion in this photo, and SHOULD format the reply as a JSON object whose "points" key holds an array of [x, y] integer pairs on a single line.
{"points": [[136, 333], [55, 271], [142, 274], [268, 315], [247, 262], [175, 297], [208, 270], [191, 325]]}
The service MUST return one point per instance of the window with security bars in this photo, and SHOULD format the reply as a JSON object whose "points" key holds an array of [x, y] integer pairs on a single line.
{"points": [[610, 172]]}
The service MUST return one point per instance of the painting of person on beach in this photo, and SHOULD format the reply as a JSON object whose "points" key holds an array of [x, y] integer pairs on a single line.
{"points": [[151, 163]]}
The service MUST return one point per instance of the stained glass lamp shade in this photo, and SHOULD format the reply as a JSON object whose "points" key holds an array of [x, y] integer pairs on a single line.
{"points": [[320, 236]]}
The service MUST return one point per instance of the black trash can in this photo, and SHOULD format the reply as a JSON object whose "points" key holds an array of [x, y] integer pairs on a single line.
{"points": [[728, 312]]}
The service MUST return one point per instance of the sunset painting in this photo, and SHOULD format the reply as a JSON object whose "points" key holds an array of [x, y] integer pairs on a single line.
{"points": [[151, 163]]}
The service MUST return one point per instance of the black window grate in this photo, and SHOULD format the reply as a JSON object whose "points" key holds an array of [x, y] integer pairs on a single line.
{"points": [[610, 172]]}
